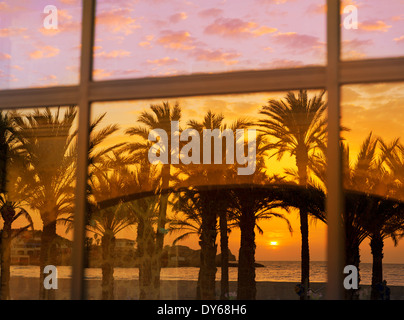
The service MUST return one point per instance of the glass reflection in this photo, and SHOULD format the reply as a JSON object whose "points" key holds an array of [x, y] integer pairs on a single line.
{"points": [[155, 38], [165, 182], [372, 162], [39, 43], [372, 30], [38, 176]]}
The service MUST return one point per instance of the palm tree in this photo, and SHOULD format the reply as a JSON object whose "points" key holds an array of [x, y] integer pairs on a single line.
{"points": [[299, 127], [252, 200], [212, 202], [160, 117], [370, 208], [45, 141], [12, 196], [109, 181], [389, 220], [10, 211]]}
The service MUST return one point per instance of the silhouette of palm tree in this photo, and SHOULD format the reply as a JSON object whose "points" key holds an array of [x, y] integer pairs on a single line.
{"points": [[298, 125], [160, 117], [46, 143], [12, 196]]}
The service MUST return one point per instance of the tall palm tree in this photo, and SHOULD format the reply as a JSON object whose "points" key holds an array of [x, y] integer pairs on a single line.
{"points": [[10, 211], [251, 200], [107, 181], [12, 197], [46, 139], [205, 180], [298, 126], [160, 117], [370, 208]]}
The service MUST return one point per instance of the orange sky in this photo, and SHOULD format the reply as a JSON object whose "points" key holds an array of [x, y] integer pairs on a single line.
{"points": [[364, 109], [153, 38]]}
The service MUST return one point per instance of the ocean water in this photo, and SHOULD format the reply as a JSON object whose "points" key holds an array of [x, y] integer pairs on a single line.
{"points": [[280, 271]]}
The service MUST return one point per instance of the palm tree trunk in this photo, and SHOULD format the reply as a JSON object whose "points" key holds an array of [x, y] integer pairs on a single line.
{"points": [[162, 220], [302, 164], [148, 287], [352, 258], [108, 248], [246, 288], [5, 261], [376, 244], [224, 248], [208, 249], [47, 256], [305, 253]]}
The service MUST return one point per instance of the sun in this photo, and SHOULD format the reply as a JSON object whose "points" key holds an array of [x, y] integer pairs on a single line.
{"points": [[273, 243]]}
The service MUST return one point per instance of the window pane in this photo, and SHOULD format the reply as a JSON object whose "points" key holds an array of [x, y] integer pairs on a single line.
{"points": [[379, 31], [146, 213], [373, 179], [39, 43], [156, 38], [37, 202]]}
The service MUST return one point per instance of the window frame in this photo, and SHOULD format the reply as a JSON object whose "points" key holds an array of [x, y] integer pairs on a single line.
{"points": [[329, 77]]}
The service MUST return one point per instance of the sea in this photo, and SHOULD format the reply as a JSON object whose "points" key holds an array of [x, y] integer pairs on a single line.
{"points": [[278, 271]]}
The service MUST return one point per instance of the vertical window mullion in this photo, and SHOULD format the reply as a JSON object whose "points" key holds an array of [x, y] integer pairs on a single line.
{"points": [[78, 257], [335, 234]]}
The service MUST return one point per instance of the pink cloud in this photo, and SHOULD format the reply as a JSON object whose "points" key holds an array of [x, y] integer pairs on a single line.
{"points": [[236, 27], [227, 58], [11, 32], [45, 52], [177, 17], [212, 12], [118, 20], [372, 25], [163, 62], [399, 39], [297, 41], [178, 40], [4, 56], [113, 54]]}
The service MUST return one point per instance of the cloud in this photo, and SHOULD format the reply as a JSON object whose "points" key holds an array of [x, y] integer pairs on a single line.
{"points": [[178, 40], [113, 54], [118, 20], [45, 52], [102, 74], [4, 56], [17, 67], [299, 42], [11, 32], [65, 24], [355, 49], [399, 39], [228, 58], [212, 12], [372, 25], [163, 62], [282, 63], [177, 17], [3, 6], [397, 18], [234, 27]]}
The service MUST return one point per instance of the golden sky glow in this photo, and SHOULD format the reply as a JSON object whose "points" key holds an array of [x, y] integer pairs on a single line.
{"points": [[137, 39]]}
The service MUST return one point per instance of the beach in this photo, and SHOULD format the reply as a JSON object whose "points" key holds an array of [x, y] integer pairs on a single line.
{"points": [[24, 288]]}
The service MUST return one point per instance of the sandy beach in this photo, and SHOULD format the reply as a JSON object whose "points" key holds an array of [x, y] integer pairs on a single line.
{"points": [[27, 289]]}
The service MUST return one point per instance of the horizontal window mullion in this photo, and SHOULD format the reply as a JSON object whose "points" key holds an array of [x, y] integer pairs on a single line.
{"points": [[351, 72], [209, 84], [371, 71], [41, 97]]}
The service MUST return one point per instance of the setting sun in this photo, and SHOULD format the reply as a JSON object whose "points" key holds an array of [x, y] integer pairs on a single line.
{"points": [[274, 243]]}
